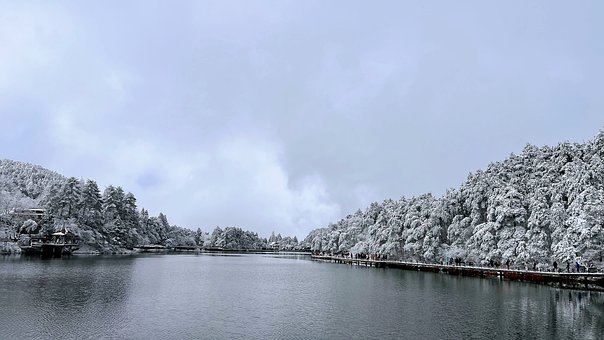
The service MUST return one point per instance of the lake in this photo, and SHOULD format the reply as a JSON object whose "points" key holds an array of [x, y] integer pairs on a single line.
{"points": [[268, 296]]}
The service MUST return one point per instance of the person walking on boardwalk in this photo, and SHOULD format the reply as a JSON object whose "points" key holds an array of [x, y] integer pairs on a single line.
{"points": [[555, 266], [567, 267]]}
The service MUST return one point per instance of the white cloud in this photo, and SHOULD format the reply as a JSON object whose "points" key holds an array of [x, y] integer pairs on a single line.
{"points": [[27, 37], [288, 115]]}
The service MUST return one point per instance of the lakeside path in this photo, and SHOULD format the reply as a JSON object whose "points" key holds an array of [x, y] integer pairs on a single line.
{"points": [[588, 281]]}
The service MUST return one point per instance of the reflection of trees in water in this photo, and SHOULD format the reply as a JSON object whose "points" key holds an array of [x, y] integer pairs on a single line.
{"points": [[597, 309], [76, 284], [582, 311], [506, 309], [549, 313], [71, 294]]}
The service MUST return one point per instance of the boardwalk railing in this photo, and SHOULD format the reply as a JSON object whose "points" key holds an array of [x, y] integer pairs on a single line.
{"points": [[592, 281]]}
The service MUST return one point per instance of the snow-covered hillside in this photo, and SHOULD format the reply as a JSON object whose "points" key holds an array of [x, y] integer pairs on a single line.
{"points": [[24, 185], [107, 222], [543, 205]]}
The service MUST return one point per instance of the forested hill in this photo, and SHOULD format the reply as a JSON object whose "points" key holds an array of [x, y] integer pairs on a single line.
{"points": [[106, 222], [543, 205], [24, 185]]}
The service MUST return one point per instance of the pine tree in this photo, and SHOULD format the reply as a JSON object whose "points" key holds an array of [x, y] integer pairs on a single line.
{"points": [[69, 198], [91, 207]]}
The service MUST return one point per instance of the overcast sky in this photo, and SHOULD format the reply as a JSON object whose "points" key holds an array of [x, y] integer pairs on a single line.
{"points": [[288, 115]]}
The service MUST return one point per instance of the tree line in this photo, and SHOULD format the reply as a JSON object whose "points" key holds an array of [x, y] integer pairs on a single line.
{"points": [[543, 205], [106, 220]]}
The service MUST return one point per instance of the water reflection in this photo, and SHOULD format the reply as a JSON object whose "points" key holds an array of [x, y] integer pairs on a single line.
{"points": [[483, 308], [73, 297], [271, 296]]}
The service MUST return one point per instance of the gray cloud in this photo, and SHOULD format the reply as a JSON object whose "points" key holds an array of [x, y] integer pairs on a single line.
{"points": [[288, 115]]}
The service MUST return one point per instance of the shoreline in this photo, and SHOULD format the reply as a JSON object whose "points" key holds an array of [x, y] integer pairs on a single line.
{"points": [[12, 249], [582, 281]]}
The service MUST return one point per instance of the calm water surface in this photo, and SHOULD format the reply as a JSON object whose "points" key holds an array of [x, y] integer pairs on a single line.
{"points": [[276, 297]]}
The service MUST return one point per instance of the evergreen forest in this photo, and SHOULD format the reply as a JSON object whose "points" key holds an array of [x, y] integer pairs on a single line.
{"points": [[545, 204]]}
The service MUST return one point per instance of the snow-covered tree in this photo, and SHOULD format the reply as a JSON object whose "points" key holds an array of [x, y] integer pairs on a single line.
{"points": [[544, 204], [30, 226]]}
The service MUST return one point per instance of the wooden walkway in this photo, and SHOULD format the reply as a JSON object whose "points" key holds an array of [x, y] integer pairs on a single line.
{"points": [[590, 281]]}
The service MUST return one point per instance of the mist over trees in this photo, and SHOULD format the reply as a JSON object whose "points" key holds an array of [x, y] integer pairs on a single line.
{"points": [[543, 205]]}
